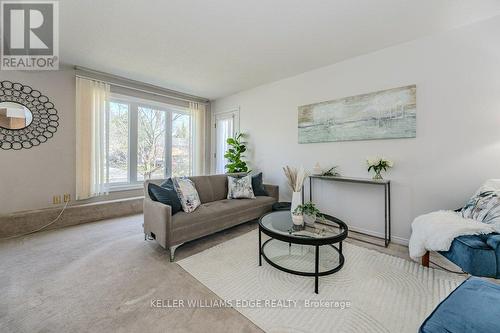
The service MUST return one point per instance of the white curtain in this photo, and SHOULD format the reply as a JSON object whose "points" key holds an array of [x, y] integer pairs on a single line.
{"points": [[91, 103], [198, 113]]}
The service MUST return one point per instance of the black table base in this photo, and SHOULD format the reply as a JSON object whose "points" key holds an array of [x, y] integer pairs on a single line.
{"points": [[316, 272], [387, 202]]}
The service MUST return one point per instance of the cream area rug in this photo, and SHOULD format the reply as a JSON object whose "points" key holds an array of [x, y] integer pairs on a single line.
{"points": [[373, 292]]}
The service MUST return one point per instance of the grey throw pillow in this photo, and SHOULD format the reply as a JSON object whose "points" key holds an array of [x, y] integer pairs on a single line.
{"points": [[240, 188]]}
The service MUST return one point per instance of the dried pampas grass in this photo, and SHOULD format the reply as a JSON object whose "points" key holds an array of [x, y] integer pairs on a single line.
{"points": [[295, 177]]}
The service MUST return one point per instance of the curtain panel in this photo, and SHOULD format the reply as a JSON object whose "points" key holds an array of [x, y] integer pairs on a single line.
{"points": [[91, 103], [198, 113]]}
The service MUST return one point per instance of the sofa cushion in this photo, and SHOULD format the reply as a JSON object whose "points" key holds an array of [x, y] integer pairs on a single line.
{"points": [[258, 186], [218, 215], [493, 241], [472, 308], [484, 206], [165, 194], [187, 193], [473, 255], [239, 187], [474, 241], [217, 209], [210, 188]]}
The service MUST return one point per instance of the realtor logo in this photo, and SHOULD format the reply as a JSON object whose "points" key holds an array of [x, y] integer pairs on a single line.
{"points": [[30, 35]]}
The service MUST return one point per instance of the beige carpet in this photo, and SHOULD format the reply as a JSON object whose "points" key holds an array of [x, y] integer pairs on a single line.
{"points": [[101, 277], [386, 293]]}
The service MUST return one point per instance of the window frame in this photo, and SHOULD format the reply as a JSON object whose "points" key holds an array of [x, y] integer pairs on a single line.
{"points": [[232, 112], [134, 103]]}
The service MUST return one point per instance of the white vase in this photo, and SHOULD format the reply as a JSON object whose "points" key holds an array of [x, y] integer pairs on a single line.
{"points": [[296, 200]]}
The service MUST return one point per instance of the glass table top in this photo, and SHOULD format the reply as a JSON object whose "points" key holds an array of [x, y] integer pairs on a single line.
{"points": [[280, 222]]}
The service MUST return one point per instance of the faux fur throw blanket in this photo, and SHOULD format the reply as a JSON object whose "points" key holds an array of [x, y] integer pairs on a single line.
{"points": [[436, 231]]}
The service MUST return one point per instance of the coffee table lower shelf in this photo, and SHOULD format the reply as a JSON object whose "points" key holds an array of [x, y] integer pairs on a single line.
{"points": [[316, 272]]}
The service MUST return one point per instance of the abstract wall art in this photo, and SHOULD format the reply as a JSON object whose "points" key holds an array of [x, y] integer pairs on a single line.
{"points": [[386, 114]]}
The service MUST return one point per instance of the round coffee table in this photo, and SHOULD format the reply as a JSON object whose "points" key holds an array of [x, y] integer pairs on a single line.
{"points": [[314, 251]]}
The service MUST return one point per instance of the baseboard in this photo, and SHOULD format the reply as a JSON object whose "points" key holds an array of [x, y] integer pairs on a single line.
{"points": [[28, 221], [394, 239]]}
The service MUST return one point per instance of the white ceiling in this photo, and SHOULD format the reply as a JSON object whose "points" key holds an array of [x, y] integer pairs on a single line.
{"points": [[212, 48]]}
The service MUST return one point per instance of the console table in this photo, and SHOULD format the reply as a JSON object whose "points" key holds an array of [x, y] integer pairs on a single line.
{"points": [[387, 199]]}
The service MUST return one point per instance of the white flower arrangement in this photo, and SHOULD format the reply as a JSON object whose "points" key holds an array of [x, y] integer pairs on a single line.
{"points": [[378, 164]]}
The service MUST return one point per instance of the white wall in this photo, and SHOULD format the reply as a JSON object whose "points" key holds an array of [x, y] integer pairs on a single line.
{"points": [[30, 177], [458, 126]]}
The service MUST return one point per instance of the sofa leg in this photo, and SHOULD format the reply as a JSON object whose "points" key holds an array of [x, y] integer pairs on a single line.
{"points": [[426, 259], [172, 252]]}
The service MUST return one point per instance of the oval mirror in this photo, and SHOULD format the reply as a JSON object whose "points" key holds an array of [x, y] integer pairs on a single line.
{"points": [[14, 116]]}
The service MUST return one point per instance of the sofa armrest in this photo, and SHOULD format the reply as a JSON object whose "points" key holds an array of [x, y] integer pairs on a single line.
{"points": [[158, 220], [273, 190], [493, 241]]}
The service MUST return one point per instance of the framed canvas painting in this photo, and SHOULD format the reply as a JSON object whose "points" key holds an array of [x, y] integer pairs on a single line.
{"points": [[386, 114]]}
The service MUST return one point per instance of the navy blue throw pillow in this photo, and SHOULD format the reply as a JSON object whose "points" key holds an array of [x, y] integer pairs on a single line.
{"points": [[168, 184], [165, 194], [258, 188]]}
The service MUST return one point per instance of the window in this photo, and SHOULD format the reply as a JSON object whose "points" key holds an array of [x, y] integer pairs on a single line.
{"points": [[181, 144], [152, 130], [118, 158], [146, 140]]}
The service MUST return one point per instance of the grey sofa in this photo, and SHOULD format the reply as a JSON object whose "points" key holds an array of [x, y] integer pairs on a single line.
{"points": [[216, 213]]}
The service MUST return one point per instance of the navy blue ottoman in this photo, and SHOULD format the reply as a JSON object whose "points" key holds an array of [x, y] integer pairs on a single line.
{"points": [[473, 307]]}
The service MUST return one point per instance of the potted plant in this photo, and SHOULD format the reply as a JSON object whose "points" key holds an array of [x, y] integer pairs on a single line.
{"points": [[234, 154], [297, 219], [332, 172], [378, 164], [309, 212]]}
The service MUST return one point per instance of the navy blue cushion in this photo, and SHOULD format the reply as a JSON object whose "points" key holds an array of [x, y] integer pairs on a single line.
{"points": [[493, 241], [257, 186], [168, 183], [473, 255], [474, 241], [471, 308], [166, 194], [477, 255]]}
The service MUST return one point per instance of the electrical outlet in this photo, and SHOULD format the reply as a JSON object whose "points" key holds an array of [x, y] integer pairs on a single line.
{"points": [[67, 197], [56, 199]]}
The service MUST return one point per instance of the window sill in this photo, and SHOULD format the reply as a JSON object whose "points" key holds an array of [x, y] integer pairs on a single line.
{"points": [[125, 187]]}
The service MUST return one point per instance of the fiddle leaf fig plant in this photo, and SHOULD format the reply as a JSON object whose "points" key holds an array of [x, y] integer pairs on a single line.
{"points": [[235, 153]]}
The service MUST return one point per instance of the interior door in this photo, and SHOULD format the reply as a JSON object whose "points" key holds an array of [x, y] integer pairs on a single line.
{"points": [[224, 129]]}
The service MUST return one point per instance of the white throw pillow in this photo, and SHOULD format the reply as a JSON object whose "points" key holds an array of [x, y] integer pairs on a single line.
{"points": [[240, 188], [186, 191]]}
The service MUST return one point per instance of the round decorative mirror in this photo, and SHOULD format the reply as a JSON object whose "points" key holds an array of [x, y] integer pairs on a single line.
{"points": [[14, 116], [27, 117]]}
